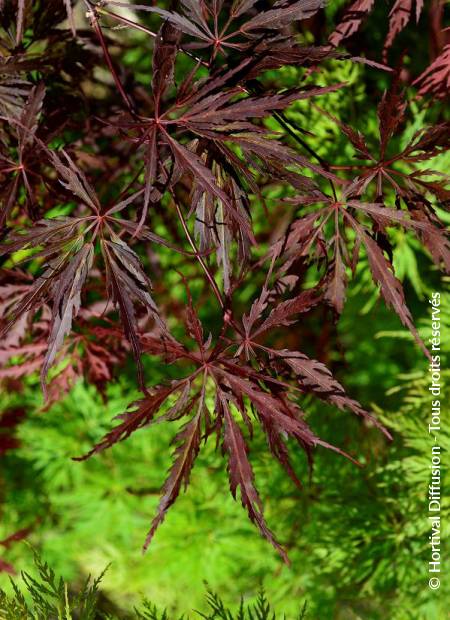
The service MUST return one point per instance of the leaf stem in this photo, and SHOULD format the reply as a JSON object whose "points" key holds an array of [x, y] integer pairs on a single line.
{"points": [[199, 257]]}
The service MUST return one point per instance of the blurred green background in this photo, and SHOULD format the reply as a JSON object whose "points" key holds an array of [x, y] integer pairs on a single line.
{"points": [[357, 538]]}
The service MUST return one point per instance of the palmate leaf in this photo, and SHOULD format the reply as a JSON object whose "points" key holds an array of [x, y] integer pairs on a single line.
{"points": [[381, 171], [209, 111], [218, 120], [236, 383], [201, 22], [310, 239], [200, 19], [20, 166], [68, 244]]}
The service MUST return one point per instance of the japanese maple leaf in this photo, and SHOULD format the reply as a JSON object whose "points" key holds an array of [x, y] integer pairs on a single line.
{"points": [[382, 168], [94, 350], [67, 244], [387, 169], [19, 172], [218, 118], [321, 236], [244, 396], [222, 28]]}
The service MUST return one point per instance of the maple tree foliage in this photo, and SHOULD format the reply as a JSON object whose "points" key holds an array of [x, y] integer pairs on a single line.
{"points": [[82, 286]]}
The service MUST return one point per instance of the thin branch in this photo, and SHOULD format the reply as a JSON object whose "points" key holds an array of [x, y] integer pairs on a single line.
{"points": [[93, 17]]}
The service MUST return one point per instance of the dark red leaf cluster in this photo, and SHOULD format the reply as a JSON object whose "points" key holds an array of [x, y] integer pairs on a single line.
{"points": [[109, 188]]}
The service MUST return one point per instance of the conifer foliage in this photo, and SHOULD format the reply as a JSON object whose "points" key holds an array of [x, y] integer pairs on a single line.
{"points": [[110, 187], [47, 597]]}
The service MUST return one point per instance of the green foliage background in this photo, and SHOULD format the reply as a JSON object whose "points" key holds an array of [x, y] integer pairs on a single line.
{"points": [[357, 538]]}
